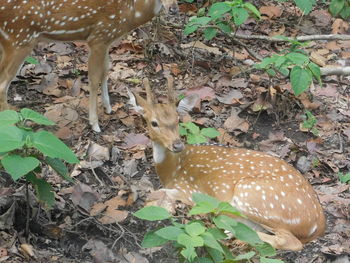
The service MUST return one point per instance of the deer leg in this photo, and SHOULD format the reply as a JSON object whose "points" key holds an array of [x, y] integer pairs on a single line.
{"points": [[97, 76], [105, 95], [11, 61], [282, 239]]}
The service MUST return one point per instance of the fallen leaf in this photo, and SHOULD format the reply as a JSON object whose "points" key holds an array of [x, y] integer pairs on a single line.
{"points": [[271, 11], [84, 197], [98, 152], [200, 45], [112, 216], [234, 122]]}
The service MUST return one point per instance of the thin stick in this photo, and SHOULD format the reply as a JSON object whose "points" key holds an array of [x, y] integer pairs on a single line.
{"points": [[171, 93], [150, 99]]}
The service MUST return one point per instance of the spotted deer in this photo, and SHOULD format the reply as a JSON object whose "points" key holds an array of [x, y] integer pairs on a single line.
{"points": [[275, 198], [23, 23]]}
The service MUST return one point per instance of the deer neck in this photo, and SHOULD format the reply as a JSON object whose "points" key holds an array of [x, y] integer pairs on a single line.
{"points": [[166, 163]]}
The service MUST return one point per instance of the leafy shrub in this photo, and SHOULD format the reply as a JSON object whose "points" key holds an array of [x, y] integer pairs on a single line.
{"points": [[195, 135], [344, 178], [200, 242], [24, 151], [294, 63], [310, 123], [340, 8]]}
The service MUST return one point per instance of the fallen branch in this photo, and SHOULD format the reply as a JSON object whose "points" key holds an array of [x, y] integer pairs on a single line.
{"points": [[300, 38], [344, 71]]}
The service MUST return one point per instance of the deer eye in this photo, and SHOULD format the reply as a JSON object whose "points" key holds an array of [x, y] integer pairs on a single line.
{"points": [[154, 124]]}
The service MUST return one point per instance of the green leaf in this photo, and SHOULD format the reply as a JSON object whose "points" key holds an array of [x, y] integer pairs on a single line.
{"points": [[265, 250], [225, 207], [210, 241], [51, 146], [152, 213], [300, 80], [252, 9], [31, 60], [224, 27], [199, 197], [345, 12], [196, 138], [298, 58], [270, 260], [217, 233], [245, 256], [279, 61], [194, 229], [169, 232], [336, 6], [201, 21], [11, 138], [59, 168], [8, 117], [217, 10], [316, 71], [240, 15], [210, 132], [225, 222], [344, 178], [153, 240], [43, 189], [246, 234], [36, 117], [18, 166], [215, 254], [210, 33], [305, 5], [190, 241], [202, 208], [189, 29], [189, 253], [193, 128], [204, 260]]}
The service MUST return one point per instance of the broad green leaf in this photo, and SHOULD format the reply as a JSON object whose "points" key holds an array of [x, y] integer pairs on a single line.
{"points": [[152, 213], [182, 130], [246, 234], [210, 33], [43, 189], [344, 178], [193, 128], [59, 168], [225, 222], [51, 146], [240, 15], [199, 197], [215, 254], [270, 260], [18, 166], [345, 12], [217, 233], [8, 117], [245, 256], [252, 9], [300, 79], [36, 117], [210, 132], [202, 21], [224, 27], [11, 138], [189, 29], [210, 241], [204, 260], [153, 240], [305, 5], [298, 58], [169, 232], [280, 60], [218, 9], [316, 71], [336, 6], [284, 71], [202, 208], [31, 60], [225, 207], [189, 253], [271, 72], [194, 229], [190, 241], [265, 250], [196, 138]]}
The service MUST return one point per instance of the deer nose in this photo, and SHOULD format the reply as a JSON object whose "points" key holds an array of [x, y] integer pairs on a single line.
{"points": [[178, 146], [174, 9]]}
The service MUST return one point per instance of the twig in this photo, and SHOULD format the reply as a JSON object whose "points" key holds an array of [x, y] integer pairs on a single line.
{"points": [[335, 71], [120, 236], [300, 38], [27, 210], [94, 173]]}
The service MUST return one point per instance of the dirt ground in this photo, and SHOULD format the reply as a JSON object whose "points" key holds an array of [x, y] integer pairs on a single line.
{"points": [[249, 109]]}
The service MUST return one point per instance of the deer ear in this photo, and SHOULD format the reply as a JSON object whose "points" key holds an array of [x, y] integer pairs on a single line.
{"points": [[187, 104], [137, 102]]}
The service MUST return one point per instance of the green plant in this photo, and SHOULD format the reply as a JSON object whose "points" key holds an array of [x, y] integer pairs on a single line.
{"points": [[340, 8], [305, 6], [202, 242], [294, 63], [31, 60], [24, 151], [221, 16], [196, 135], [344, 178], [310, 123]]}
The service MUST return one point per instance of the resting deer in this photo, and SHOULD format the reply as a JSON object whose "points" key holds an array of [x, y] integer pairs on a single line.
{"points": [[23, 23], [272, 194]]}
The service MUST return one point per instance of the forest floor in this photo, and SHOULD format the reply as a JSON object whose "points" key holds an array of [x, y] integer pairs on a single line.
{"points": [[248, 108]]}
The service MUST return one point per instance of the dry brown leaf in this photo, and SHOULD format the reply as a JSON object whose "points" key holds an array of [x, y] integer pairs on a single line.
{"points": [[98, 152], [27, 250], [97, 209], [339, 26], [318, 59], [200, 45], [234, 122], [271, 11], [112, 216]]}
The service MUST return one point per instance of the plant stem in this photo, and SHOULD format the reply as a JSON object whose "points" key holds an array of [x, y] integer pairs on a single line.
{"points": [[27, 211]]}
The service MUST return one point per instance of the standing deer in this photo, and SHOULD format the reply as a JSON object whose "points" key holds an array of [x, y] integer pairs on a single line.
{"points": [[276, 199], [23, 23]]}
